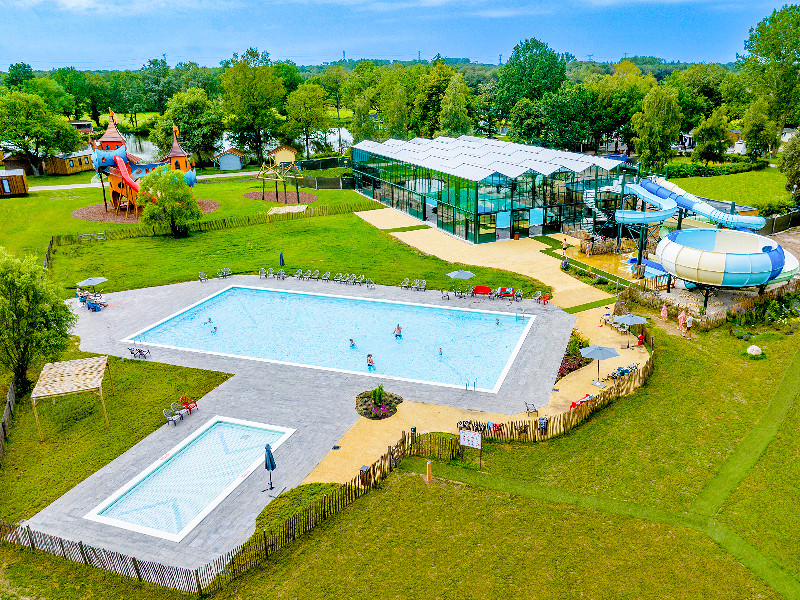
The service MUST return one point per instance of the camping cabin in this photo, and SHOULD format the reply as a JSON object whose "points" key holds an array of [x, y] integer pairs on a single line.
{"points": [[13, 182], [84, 127], [16, 161], [282, 154], [230, 160], [67, 164]]}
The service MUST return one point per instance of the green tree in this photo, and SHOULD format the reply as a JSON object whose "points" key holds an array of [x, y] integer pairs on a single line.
{"points": [[200, 121], [532, 70], [772, 62], [455, 118], [657, 127], [363, 126], [158, 84], [759, 131], [252, 96], [705, 80], [290, 75], [99, 93], [790, 166], [18, 73], [54, 96], [487, 114], [558, 120], [29, 128], [305, 108], [711, 137], [168, 201], [191, 75], [74, 83], [333, 80], [34, 320], [736, 95], [428, 103], [394, 113]]}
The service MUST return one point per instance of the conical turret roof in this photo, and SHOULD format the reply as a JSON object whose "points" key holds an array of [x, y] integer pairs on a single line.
{"points": [[112, 134], [176, 151]]}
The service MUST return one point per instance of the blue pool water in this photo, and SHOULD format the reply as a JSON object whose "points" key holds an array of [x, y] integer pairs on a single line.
{"points": [[314, 330], [180, 489]]}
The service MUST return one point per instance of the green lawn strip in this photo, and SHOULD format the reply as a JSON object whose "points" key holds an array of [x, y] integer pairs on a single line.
{"points": [[409, 228], [744, 552], [748, 451], [27, 574], [342, 243], [761, 189], [662, 444], [589, 305], [444, 540], [76, 442]]}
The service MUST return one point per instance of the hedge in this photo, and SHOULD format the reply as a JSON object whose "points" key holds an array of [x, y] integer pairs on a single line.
{"points": [[678, 170]]}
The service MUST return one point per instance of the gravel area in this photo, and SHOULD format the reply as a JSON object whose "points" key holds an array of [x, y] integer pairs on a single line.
{"points": [[97, 212], [291, 196]]}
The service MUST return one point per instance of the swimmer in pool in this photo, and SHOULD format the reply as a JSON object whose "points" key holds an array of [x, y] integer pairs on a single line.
{"points": [[497, 321], [370, 362], [440, 351], [215, 330], [398, 331], [209, 321], [352, 343]]}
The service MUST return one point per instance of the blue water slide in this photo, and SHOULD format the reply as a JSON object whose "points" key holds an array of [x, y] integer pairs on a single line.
{"points": [[690, 202], [665, 208]]}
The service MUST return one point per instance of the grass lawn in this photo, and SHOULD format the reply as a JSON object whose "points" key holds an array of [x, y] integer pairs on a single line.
{"points": [[83, 177], [342, 243], [760, 189], [444, 540], [76, 441], [661, 445]]}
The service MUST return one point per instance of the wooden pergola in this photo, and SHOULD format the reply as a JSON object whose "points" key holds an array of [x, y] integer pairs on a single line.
{"points": [[71, 377]]}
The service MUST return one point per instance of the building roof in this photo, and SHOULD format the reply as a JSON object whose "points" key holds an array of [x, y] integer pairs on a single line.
{"points": [[475, 159], [70, 377], [233, 151], [74, 154], [281, 147], [177, 150], [111, 134], [12, 173]]}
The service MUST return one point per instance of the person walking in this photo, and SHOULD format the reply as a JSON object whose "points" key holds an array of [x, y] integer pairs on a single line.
{"points": [[682, 322], [689, 323], [664, 312], [564, 246]]}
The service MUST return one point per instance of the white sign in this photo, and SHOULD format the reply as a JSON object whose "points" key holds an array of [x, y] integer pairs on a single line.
{"points": [[471, 439]]}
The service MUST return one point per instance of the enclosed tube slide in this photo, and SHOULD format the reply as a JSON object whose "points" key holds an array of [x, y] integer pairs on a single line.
{"points": [[665, 208], [724, 258], [126, 176], [664, 189]]}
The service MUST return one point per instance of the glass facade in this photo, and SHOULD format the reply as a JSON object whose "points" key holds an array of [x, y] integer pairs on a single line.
{"points": [[478, 211]]}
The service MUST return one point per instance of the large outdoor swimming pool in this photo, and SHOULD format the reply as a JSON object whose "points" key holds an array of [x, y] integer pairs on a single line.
{"points": [[313, 330], [175, 493]]}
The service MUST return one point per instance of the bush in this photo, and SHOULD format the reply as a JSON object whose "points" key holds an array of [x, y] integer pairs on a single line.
{"points": [[290, 503], [679, 170], [377, 403]]}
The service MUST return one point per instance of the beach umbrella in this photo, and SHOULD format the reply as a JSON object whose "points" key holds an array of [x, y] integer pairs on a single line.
{"points": [[630, 319], [269, 463], [282, 264], [461, 275], [598, 353], [91, 282]]}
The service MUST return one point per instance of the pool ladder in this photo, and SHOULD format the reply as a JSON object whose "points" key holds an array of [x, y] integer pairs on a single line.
{"points": [[474, 385], [520, 314]]}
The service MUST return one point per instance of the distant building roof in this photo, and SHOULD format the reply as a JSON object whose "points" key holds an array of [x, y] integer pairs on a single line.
{"points": [[74, 154], [282, 147], [12, 173], [233, 151], [112, 134]]}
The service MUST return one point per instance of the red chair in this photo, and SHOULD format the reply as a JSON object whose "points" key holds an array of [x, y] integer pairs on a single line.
{"points": [[546, 298], [188, 403]]}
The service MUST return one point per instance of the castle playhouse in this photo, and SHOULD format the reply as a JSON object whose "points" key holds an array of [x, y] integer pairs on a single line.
{"points": [[110, 157]]}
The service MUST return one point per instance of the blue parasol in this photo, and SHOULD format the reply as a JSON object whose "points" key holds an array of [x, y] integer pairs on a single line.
{"points": [[461, 274], [282, 259], [269, 463], [598, 353]]}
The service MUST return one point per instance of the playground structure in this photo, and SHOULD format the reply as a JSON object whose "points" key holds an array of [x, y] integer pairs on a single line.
{"points": [[274, 171], [123, 170]]}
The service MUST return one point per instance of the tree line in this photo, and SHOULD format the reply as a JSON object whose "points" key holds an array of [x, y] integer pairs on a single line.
{"points": [[539, 96]]}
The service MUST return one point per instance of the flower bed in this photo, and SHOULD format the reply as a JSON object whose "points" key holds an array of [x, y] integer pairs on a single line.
{"points": [[377, 404], [573, 360]]}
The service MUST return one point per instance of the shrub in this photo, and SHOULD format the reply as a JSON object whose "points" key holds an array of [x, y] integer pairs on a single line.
{"points": [[289, 503], [679, 170]]}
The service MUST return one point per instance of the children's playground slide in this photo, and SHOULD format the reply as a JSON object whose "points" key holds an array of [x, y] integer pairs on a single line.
{"points": [[126, 176]]}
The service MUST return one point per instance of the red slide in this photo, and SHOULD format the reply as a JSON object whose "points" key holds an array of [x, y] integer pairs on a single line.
{"points": [[126, 176]]}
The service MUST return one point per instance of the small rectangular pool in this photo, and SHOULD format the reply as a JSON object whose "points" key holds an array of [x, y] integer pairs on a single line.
{"points": [[314, 330], [176, 492]]}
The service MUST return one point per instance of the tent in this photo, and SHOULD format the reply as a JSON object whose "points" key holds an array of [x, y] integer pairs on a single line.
{"points": [[71, 377]]}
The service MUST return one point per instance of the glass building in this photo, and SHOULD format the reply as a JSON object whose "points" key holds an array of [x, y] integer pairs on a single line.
{"points": [[482, 190]]}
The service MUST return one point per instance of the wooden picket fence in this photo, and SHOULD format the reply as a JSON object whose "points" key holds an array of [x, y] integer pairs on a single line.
{"points": [[529, 430], [223, 223], [5, 423], [256, 550]]}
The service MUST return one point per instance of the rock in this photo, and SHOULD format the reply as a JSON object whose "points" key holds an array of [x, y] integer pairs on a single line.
{"points": [[753, 350]]}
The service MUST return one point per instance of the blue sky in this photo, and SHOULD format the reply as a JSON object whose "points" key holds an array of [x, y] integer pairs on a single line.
{"points": [[114, 34]]}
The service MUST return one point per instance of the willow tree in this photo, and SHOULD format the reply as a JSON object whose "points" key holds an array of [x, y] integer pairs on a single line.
{"points": [[657, 127]]}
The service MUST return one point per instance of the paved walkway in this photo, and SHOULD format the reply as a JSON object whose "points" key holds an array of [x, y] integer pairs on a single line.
{"points": [[319, 404], [77, 186], [389, 218]]}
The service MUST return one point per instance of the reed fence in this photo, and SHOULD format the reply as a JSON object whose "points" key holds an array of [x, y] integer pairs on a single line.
{"points": [[223, 223], [5, 423], [542, 429], [263, 544]]}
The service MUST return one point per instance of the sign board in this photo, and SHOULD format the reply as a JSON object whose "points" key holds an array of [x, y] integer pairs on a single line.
{"points": [[471, 439]]}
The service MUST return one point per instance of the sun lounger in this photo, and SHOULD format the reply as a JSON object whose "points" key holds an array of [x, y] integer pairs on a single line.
{"points": [[482, 290], [139, 353], [172, 417], [220, 274], [404, 283], [203, 276], [93, 306], [352, 280], [326, 276]]}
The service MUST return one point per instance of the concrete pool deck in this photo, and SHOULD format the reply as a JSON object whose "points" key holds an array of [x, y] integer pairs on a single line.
{"points": [[319, 404]]}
